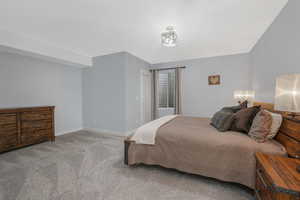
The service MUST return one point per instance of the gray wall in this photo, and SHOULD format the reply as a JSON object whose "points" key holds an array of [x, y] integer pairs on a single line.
{"points": [[111, 93], [277, 52], [201, 99], [27, 81], [134, 65], [104, 93]]}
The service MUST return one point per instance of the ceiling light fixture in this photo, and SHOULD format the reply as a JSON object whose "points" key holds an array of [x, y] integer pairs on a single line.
{"points": [[169, 38]]}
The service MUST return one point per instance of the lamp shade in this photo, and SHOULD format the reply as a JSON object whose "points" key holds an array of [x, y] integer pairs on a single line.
{"points": [[287, 96], [243, 95]]}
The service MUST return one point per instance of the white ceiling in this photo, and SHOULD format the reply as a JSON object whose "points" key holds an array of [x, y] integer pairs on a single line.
{"points": [[90, 28]]}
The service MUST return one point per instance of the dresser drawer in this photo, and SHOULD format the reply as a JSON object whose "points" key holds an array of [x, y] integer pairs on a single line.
{"points": [[8, 119], [36, 136], [28, 126], [8, 129], [8, 142], [38, 115]]}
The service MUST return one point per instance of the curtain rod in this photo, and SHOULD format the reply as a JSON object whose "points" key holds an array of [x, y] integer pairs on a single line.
{"points": [[162, 69]]}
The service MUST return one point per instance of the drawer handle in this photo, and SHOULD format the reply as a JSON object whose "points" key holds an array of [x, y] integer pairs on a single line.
{"points": [[297, 154], [261, 178]]}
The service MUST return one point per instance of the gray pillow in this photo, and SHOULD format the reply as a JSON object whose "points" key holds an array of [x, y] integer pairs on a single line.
{"points": [[233, 109], [222, 120]]}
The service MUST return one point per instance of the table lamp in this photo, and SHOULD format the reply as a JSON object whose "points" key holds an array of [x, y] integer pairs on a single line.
{"points": [[287, 97], [244, 95]]}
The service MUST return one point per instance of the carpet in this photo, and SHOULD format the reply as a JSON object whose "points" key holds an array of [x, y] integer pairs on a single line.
{"points": [[89, 166]]}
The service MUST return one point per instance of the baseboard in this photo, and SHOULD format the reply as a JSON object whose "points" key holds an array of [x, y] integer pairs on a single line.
{"points": [[105, 132], [66, 132]]}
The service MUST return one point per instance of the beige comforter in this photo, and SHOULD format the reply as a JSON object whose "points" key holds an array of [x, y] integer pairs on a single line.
{"points": [[192, 145]]}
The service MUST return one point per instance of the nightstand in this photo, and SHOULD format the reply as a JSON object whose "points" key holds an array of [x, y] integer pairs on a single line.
{"points": [[277, 178]]}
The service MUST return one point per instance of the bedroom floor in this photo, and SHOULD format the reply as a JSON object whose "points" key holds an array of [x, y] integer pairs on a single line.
{"points": [[89, 166]]}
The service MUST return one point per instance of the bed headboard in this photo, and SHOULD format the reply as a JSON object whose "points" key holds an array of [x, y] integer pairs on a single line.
{"points": [[289, 133]]}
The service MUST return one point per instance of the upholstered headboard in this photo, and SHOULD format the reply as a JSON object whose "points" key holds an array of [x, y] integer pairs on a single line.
{"points": [[289, 133]]}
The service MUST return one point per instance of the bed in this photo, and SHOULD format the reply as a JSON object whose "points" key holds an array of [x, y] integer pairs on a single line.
{"points": [[192, 145]]}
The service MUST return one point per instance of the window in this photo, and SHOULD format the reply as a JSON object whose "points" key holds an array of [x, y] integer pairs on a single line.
{"points": [[166, 89]]}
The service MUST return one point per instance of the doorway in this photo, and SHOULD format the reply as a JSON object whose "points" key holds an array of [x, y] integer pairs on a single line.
{"points": [[145, 96]]}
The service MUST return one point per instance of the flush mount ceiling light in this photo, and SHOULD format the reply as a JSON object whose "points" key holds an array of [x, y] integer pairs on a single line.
{"points": [[169, 37]]}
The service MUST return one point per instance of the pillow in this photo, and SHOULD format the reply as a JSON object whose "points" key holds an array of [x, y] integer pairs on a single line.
{"points": [[276, 123], [243, 119], [232, 109], [261, 126], [222, 120]]}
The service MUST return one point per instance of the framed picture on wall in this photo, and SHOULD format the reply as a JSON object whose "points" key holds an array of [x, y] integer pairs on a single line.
{"points": [[214, 80]]}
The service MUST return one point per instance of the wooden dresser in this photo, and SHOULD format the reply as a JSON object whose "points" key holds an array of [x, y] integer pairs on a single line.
{"points": [[25, 126]]}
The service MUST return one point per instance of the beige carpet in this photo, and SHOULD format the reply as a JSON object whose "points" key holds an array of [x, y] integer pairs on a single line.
{"points": [[88, 166]]}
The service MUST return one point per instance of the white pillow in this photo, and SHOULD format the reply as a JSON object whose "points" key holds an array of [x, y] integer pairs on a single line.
{"points": [[276, 123]]}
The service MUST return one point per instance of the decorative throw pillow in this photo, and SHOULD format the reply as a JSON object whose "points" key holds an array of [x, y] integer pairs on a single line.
{"points": [[222, 120], [243, 119], [261, 126], [276, 123], [232, 109]]}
